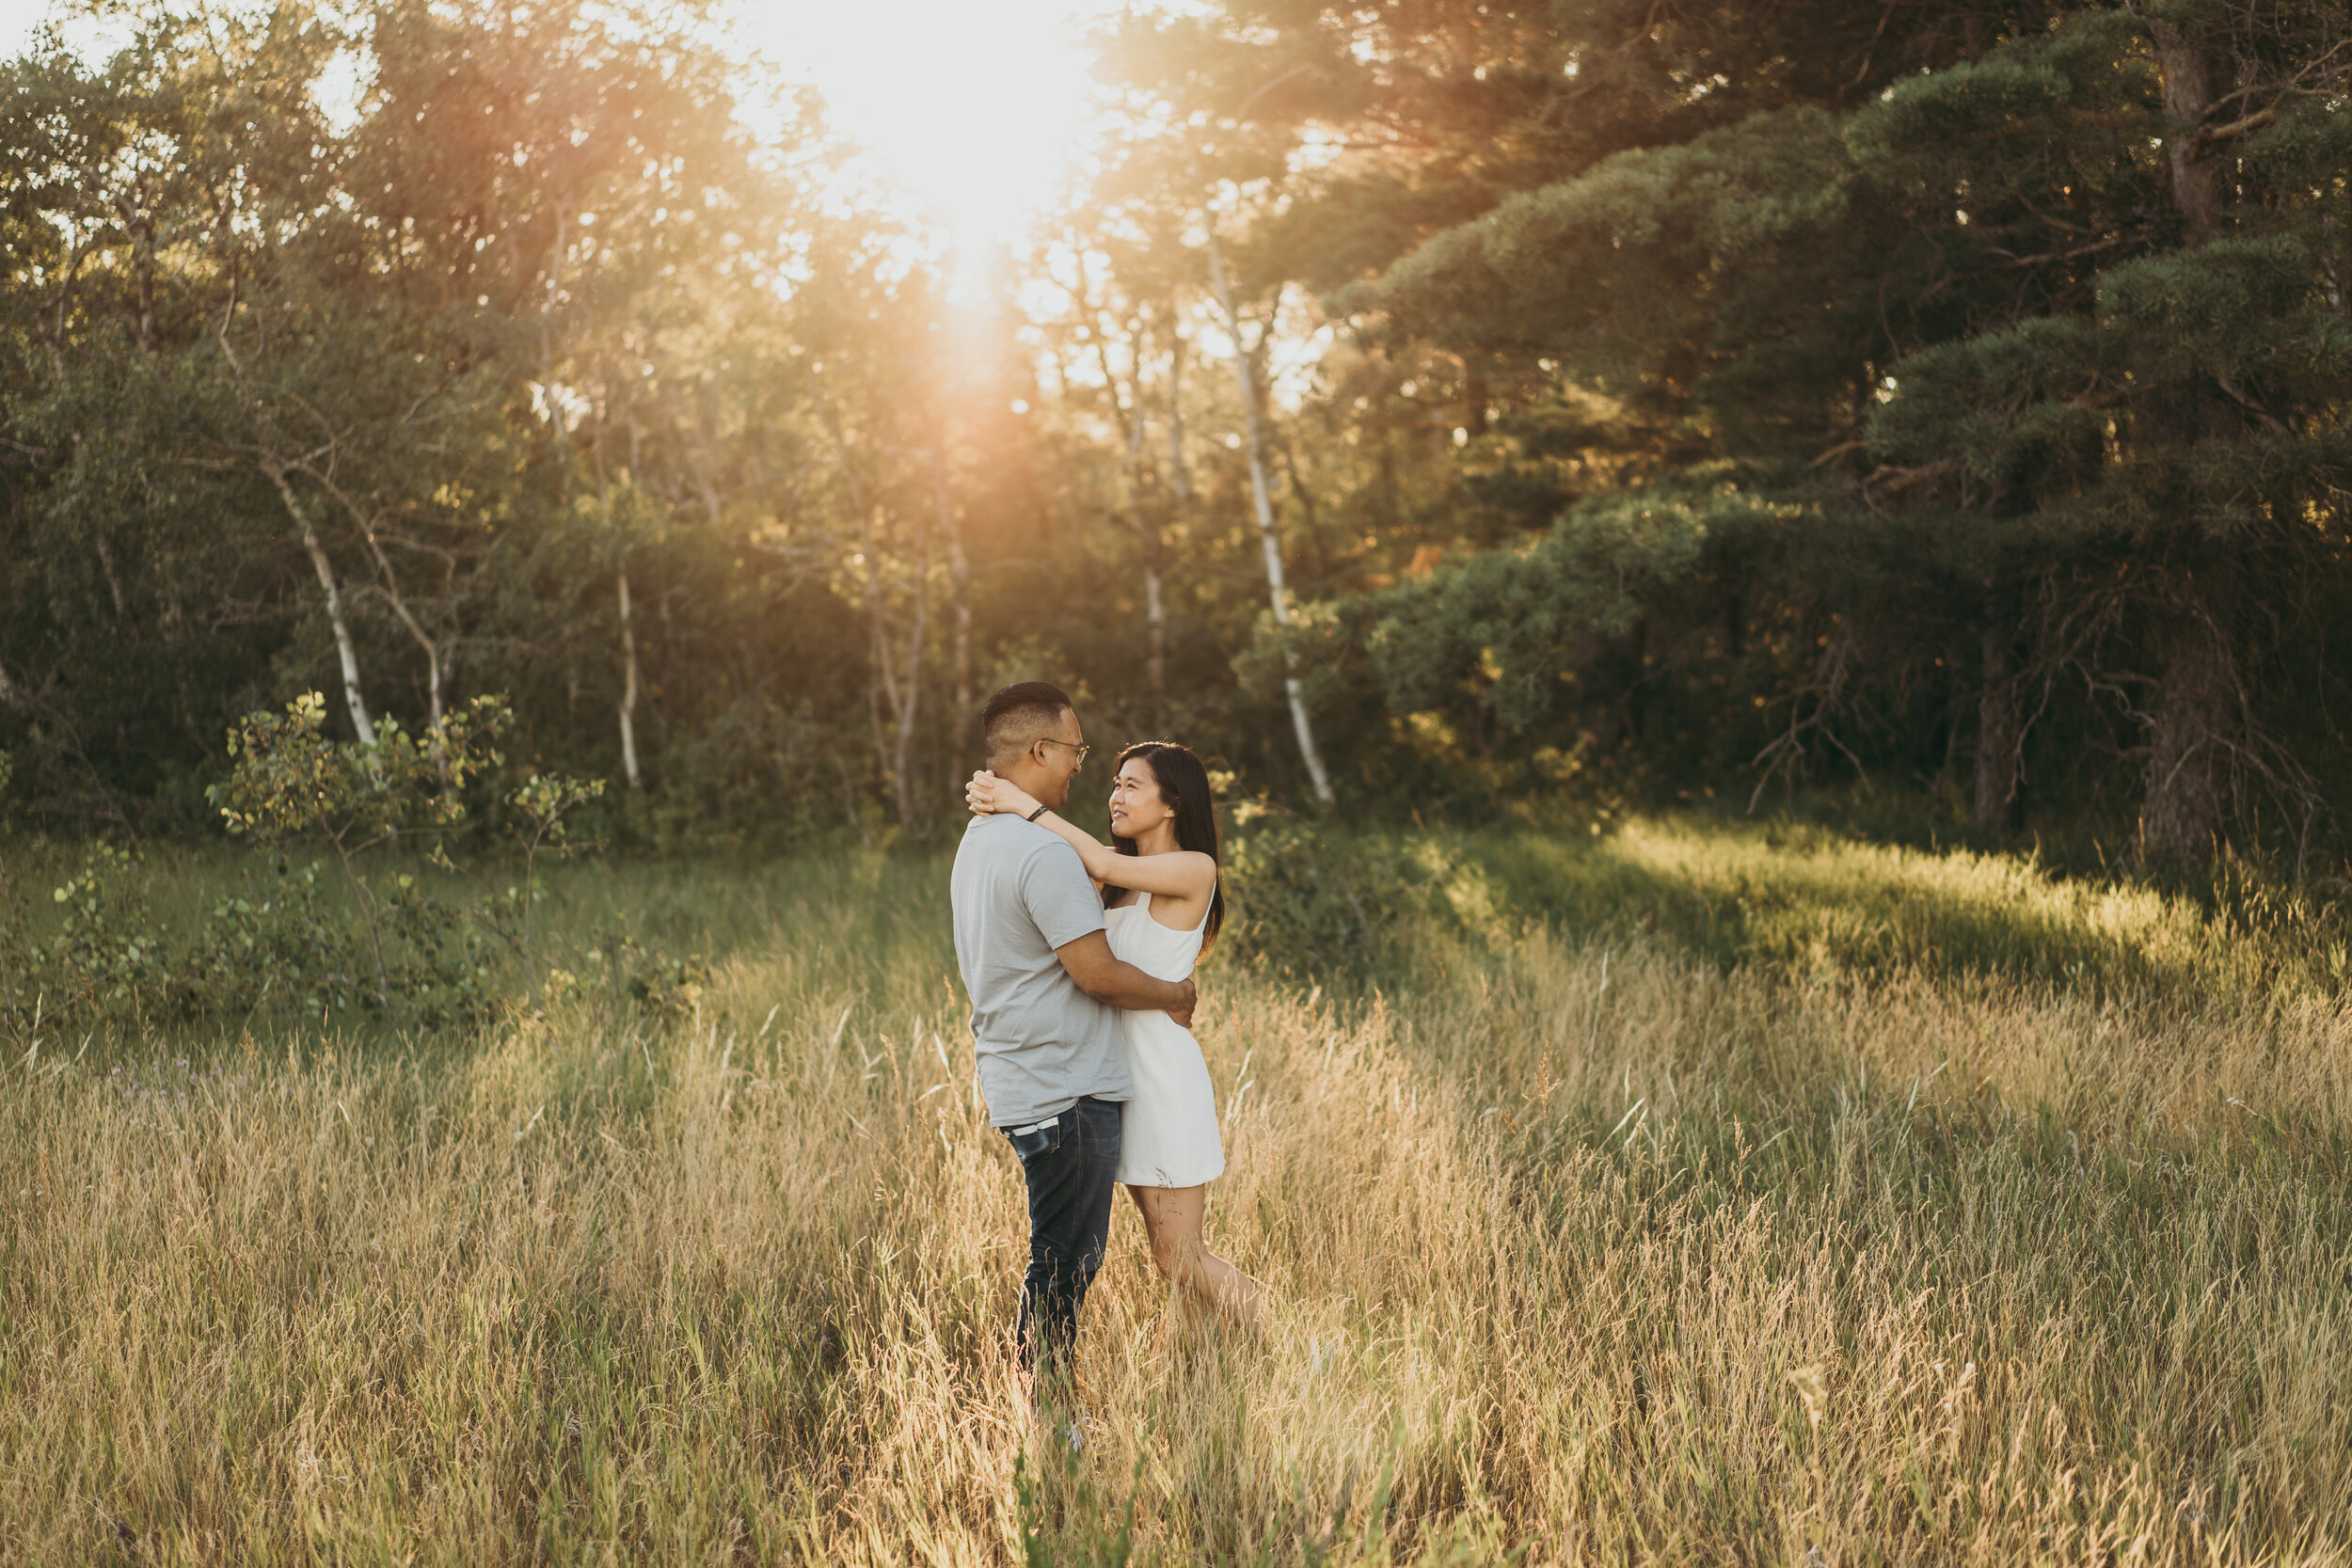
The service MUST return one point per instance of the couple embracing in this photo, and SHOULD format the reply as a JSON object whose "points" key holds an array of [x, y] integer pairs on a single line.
{"points": [[1078, 957]]}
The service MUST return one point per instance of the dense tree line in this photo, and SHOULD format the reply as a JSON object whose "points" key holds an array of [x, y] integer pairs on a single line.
{"points": [[1424, 403]]}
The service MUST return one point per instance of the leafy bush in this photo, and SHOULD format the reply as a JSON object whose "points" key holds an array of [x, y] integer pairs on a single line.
{"points": [[108, 955], [1308, 901], [650, 978], [541, 803], [289, 785], [287, 945], [279, 944]]}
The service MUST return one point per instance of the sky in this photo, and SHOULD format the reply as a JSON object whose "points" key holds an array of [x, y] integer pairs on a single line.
{"points": [[971, 104]]}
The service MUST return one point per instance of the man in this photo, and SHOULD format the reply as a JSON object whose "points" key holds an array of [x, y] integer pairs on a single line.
{"points": [[1037, 966]]}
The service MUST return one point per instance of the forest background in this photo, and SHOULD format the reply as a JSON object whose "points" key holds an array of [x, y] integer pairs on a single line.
{"points": [[1503, 437], [1418, 406]]}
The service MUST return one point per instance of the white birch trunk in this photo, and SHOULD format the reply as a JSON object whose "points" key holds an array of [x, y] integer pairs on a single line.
{"points": [[345, 650], [1270, 538], [904, 763], [434, 677], [1148, 545], [628, 688], [629, 628], [114, 582]]}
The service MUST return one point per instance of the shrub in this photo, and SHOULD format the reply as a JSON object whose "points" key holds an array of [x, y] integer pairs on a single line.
{"points": [[289, 785], [286, 944], [1309, 901]]}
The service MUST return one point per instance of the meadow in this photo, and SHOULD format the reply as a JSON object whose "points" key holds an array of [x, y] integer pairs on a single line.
{"points": [[1671, 1192]]}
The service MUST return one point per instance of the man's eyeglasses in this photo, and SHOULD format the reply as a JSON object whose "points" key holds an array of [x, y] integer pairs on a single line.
{"points": [[1082, 750]]}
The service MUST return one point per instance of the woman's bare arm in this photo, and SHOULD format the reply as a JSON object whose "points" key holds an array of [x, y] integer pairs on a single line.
{"points": [[1185, 874]]}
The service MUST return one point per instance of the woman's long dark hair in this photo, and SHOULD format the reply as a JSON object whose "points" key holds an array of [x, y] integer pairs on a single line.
{"points": [[1184, 783]]}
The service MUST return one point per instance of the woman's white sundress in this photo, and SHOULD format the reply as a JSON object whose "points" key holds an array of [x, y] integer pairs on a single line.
{"points": [[1167, 1134]]}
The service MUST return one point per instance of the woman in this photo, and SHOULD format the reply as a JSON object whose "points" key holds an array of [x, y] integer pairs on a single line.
{"points": [[1163, 906]]}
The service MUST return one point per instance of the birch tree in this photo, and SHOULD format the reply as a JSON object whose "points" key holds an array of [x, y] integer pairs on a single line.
{"points": [[1248, 366], [346, 651]]}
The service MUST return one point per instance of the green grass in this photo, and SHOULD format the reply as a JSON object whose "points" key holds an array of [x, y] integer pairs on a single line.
{"points": [[1678, 1192], [1809, 900]]}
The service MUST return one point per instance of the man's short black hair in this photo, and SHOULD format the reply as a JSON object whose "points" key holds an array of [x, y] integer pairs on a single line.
{"points": [[1020, 714]]}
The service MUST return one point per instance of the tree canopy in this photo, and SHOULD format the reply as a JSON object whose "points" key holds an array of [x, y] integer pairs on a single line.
{"points": [[1421, 405]]}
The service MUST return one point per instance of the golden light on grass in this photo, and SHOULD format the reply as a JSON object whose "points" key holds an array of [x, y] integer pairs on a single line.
{"points": [[1838, 1255]]}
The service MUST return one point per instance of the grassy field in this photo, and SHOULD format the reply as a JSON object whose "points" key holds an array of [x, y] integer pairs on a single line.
{"points": [[1671, 1194]]}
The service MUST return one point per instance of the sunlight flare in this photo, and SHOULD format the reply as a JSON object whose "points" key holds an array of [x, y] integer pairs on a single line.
{"points": [[972, 111]]}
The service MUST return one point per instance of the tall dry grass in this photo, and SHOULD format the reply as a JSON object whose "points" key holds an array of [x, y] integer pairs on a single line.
{"points": [[1590, 1241]]}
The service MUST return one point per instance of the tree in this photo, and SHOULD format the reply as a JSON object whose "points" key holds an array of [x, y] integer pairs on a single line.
{"points": [[1677, 397], [1959, 287], [2169, 400], [1248, 361]]}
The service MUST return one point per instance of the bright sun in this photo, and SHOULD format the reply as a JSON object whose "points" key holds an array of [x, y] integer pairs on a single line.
{"points": [[973, 106]]}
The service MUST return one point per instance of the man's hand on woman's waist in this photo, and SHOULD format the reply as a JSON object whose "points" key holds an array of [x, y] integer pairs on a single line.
{"points": [[1089, 963]]}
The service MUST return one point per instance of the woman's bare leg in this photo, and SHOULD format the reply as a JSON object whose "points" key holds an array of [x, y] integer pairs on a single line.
{"points": [[1205, 1282]]}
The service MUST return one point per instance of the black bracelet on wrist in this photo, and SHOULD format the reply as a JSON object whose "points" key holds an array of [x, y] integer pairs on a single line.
{"points": [[1035, 814]]}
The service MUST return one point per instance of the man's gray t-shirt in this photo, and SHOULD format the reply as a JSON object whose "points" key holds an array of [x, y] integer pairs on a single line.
{"points": [[1019, 892]]}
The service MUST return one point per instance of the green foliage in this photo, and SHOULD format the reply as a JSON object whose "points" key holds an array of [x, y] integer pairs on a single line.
{"points": [[1578, 262], [290, 785], [1503, 627], [1307, 902], [1679, 398], [106, 955], [2066, 371], [1508, 671], [541, 803], [650, 978], [391, 948], [283, 946], [2003, 404], [2042, 101], [276, 946]]}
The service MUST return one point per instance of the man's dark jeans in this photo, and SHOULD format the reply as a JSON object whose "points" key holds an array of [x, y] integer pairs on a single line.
{"points": [[1069, 1163]]}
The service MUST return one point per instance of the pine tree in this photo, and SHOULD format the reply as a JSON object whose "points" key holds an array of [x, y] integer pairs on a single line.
{"points": [[2065, 316]]}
